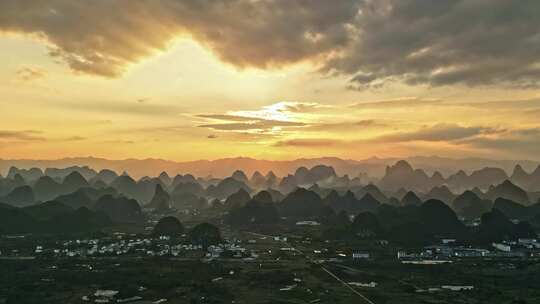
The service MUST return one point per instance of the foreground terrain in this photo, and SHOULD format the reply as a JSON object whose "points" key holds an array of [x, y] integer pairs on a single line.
{"points": [[272, 272]]}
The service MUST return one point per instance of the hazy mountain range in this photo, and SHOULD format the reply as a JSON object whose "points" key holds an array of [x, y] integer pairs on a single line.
{"points": [[406, 201], [373, 167]]}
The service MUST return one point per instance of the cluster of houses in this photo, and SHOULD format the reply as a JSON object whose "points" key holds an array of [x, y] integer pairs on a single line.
{"points": [[521, 248], [447, 288], [111, 296], [121, 245], [231, 250], [131, 245], [160, 246]]}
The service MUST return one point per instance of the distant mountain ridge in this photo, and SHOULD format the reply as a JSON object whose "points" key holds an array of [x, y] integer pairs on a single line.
{"points": [[403, 175], [311, 193], [374, 167]]}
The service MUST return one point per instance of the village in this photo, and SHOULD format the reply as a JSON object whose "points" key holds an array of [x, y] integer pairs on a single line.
{"points": [[252, 246], [294, 262]]}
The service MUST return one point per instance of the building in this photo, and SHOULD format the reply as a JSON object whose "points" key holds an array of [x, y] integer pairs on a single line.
{"points": [[407, 255], [308, 223], [502, 247], [470, 252], [358, 255], [457, 288], [529, 243]]}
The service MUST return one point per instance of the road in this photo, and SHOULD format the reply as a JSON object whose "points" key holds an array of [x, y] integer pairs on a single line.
{"points": [[333, 275]]}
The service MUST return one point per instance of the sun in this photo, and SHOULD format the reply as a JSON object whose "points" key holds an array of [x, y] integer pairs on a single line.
{"points": [[280, 111]]}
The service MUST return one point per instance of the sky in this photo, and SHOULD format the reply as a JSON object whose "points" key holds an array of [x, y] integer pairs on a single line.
{"points": [[270, 79]]}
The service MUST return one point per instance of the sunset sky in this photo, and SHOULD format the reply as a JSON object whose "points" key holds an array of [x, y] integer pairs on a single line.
{"points": [[272, 79]]}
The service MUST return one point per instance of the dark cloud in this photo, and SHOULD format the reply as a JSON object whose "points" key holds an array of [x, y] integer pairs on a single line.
{"points": [[523, 142], [534, 113], [225, 117], [249, 137], [301, 107], [398, 102], [497, 142], [22, 135], [347, 126], [438, 132], [519, 104], [229, 122], [211, 136], [443, 42], [309, 143], [102, 37], [125, 108], [75, 138], [435, 133]]}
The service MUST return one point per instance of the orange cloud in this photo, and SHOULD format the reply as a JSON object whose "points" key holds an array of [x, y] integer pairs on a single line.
{"points": [[29, 73]]}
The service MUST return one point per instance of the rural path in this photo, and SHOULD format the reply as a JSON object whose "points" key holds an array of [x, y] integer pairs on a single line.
{"points": [[333, 275]]}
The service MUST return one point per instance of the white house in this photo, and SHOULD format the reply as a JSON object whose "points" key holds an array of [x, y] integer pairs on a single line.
{"points": [[502, 247], [360, 255]]}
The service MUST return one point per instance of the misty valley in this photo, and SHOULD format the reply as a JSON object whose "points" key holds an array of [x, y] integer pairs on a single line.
{"points": [[77, 235]]}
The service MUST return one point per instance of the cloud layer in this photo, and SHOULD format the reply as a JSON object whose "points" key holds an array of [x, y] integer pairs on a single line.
{"points": [[101, 37], [28, 73], [21, 135], [445, 42], [438, 132], [471, 42]]}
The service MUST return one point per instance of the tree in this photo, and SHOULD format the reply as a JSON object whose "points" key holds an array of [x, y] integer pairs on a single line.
{"points": [[253, 213], [205, 234], [366, 223], [168, 225]]}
